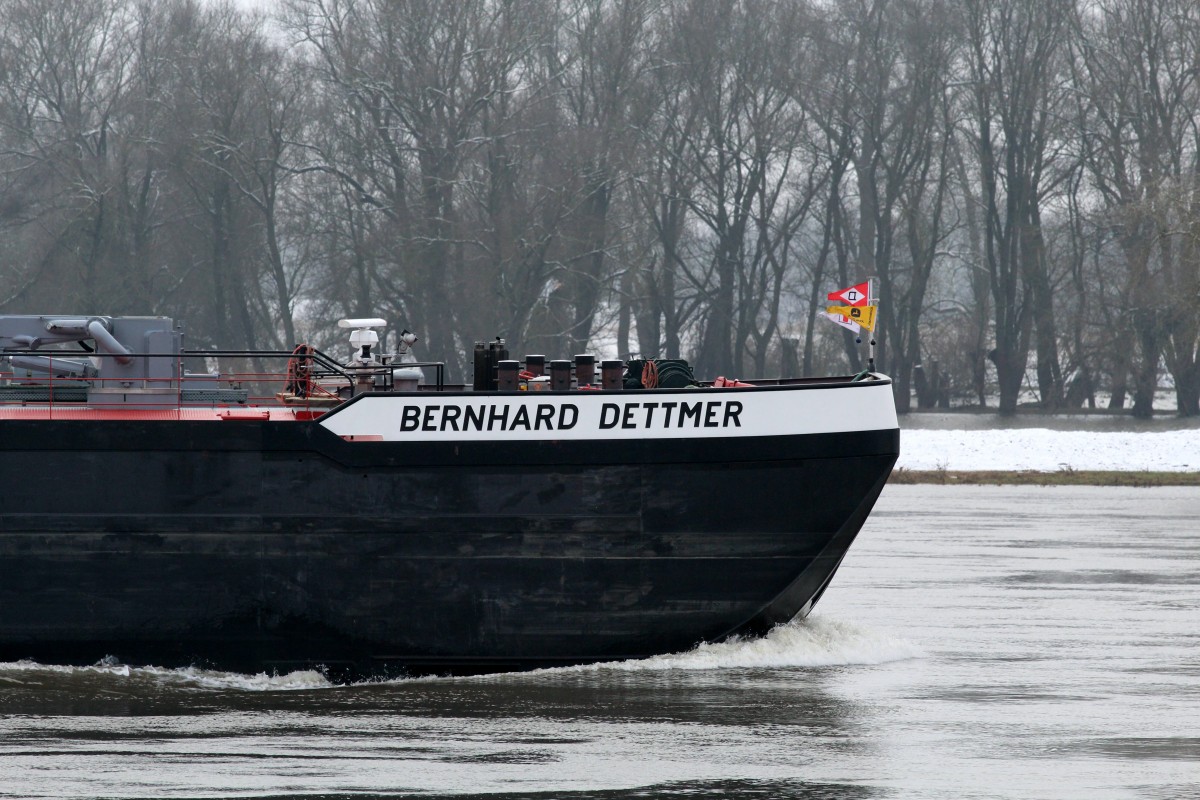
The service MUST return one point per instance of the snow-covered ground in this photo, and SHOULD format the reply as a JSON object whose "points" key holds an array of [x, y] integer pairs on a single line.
{"points": [[929, 442]]}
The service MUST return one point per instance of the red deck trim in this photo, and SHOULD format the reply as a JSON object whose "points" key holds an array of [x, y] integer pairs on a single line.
{"points": [[164, 415]]}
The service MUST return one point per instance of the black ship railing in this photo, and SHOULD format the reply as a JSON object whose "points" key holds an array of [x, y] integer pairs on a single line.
{"points": [[65, 378], [327, 367]]}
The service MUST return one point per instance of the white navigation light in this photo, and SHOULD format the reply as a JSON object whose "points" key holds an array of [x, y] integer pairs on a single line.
{"points": [[363, 338]]}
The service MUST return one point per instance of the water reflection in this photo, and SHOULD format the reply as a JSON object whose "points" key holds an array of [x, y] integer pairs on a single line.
{"points": [[797, 696]]}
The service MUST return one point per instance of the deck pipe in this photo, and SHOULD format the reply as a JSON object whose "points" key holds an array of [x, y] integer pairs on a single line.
{"points": [[612, 374], [585, 370], [506, 375], [560, 375], [535, 365]]}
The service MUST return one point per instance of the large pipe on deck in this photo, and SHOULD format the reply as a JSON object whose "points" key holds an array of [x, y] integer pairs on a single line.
{"points": [[108, 342], [61, 367], [96, 330], [70, 327]]}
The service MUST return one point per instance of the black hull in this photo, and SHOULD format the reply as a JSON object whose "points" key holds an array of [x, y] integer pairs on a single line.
{"points": [[254, 545]]}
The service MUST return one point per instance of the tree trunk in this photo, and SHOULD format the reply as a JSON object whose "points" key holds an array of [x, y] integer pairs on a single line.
{"points": [[1145, 381]]}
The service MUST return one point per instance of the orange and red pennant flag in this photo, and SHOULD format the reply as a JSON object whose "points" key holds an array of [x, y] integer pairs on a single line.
{"points": [[860, 294]]}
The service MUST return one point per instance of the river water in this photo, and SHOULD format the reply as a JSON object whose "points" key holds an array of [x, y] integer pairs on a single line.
{"points": [[978, 642]]}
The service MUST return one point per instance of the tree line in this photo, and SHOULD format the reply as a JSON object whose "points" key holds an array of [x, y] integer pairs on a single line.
{"points": [[676, 178]]}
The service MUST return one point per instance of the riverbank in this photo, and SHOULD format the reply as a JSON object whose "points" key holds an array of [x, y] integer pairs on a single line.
{"points": [[1059, 450], [1061, 477]]}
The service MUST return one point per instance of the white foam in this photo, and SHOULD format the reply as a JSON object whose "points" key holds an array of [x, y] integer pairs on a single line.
{"points": [[300, 680], [187, 676], [815, 642]]}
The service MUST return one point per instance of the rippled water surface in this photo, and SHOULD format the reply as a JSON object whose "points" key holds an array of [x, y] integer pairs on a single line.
{"points": [[978, 642]]}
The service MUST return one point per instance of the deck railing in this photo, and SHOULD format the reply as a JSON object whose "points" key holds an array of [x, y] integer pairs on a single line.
{"points": [[310, 381]]}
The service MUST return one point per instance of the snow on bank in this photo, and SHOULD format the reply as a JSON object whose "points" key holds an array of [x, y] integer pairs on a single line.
{"points": [[1048, 450]]}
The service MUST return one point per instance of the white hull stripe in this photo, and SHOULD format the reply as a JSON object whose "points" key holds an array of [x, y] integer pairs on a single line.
{"points": [[686, 414]]}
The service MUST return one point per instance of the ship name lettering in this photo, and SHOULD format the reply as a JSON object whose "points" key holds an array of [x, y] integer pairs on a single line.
{"points": [[437, 418], [502, 417], [710, 414], [522, 418], [690, 411]]}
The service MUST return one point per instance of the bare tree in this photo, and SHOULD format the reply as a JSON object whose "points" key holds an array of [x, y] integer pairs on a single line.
{"points": [[413, 79], [596, 75], [1136, 67], [735, 70], [898, 105], [64, 77], [1015, 59]]}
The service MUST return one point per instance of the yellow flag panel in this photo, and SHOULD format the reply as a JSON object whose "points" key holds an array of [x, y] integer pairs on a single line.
{"points": [[863, 315]]}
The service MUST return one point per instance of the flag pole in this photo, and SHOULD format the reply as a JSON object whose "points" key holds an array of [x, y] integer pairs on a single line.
{"points": [[855, 309], [872, 300]]}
